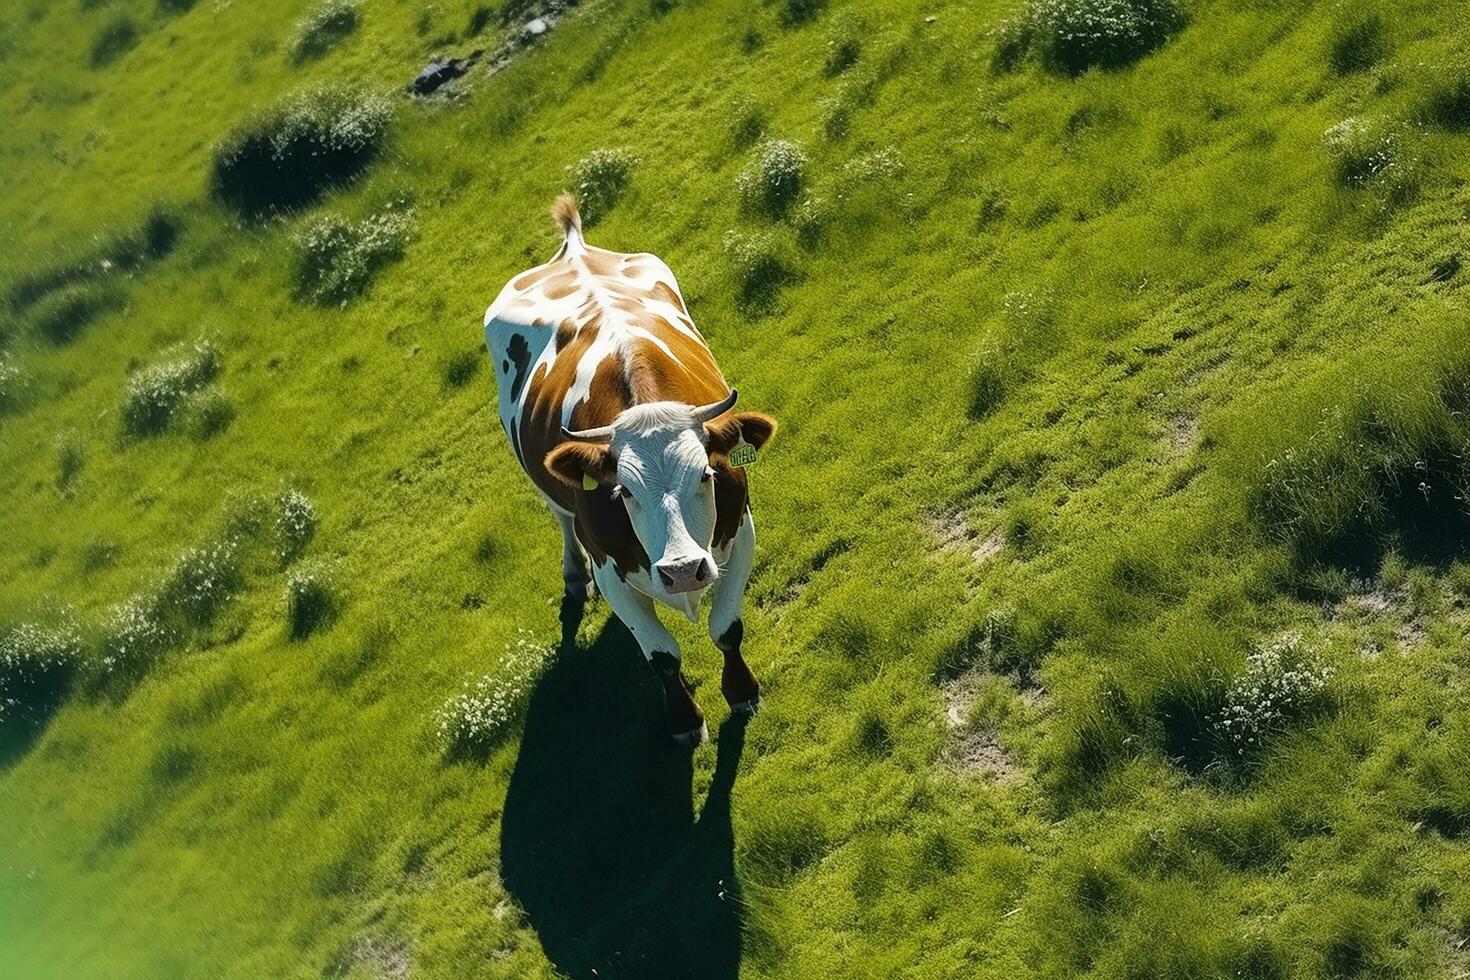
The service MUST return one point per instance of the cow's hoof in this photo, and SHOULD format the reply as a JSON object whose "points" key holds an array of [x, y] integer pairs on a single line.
{"points": [[746, 708], [694, 738]]}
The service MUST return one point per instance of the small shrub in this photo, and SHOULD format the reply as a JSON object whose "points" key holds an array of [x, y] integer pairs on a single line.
{"points": [[176, 6], [156, 395], [296, 523], [1448, 103], [1071, 36], [772, 182], [63, 314], [337, 259], [69, 461], [1362, 150], [290, 155], [36, 662], [1358, 45], [747, 122], [323, 27], [115, 40], [760, 269], [795, 13], [200, 583], [1285, 681], [461, 367], [836, 118], [844, 47], [475, 720], [209, 413], [810, 221], [599, 180], [480, 19], [132, 638], [311, 600]]}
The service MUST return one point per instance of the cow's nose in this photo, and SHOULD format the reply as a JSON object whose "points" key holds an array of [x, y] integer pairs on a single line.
{"points": [[685, 575]]}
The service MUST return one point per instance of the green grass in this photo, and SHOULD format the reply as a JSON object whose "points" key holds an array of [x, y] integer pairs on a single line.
{"points": [[1091, 382]]}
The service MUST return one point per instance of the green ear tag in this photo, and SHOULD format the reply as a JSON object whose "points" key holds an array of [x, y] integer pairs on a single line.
{"points": [[742, 455], [588, 483]]}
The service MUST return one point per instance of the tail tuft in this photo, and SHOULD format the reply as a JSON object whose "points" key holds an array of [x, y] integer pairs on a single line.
{"points": [[564, 213]]}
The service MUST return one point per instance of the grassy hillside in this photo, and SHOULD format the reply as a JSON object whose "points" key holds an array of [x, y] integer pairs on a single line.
{"points": [[1111, 595]]}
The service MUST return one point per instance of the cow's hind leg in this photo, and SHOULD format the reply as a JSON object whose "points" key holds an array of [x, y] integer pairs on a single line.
{"points": [[686, 721], [726, 628], [575, 574]]}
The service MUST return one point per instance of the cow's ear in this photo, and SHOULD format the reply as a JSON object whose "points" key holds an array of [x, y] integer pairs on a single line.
{"points": [[756, 428], [726, 432], [571, 462]]}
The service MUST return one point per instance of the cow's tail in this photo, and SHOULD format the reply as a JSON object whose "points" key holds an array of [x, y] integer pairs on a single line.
{"points": [[569, 220]]}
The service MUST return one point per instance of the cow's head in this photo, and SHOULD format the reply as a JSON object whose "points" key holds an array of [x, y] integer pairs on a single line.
{"points": [[659, 460]]}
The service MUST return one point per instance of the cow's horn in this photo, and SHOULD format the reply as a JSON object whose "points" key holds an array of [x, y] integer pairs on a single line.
{"points": [[598, 434], [707, 412]]}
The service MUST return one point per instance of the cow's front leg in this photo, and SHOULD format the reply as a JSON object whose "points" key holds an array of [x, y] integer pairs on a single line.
{"points": [[737, 683], [575, 575], [686, 721]]}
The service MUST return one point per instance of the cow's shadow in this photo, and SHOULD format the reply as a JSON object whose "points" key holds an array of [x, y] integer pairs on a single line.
{"points": [[598, 840]]}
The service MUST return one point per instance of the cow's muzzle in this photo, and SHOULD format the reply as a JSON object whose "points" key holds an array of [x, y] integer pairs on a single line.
{"points": [[685, 574]]}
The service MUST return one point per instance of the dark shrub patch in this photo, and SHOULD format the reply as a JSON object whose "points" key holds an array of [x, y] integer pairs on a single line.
{"points": [[311, 602], [156, 395], [176, 6], [292, 154], [1448, 102], [113, 41], [794, 13], [1071, 36], [1358, 45], [327, 24], [760, 270], [64, 314], [479, 20], [37, 664], [154, 239], [461, 367]]}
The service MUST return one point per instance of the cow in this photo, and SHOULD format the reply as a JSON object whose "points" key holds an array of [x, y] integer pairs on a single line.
{"points": [[617, 412]]}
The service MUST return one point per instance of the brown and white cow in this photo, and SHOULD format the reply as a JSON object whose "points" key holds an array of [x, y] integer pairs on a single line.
{"points": [[617, 411]]}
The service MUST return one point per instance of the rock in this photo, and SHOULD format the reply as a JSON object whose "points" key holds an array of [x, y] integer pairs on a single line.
{"points": [[536, 27], [441, 71]]}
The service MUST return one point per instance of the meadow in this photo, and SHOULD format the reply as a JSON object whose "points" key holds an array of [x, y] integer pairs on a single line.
{"points": [[1111, 593]]}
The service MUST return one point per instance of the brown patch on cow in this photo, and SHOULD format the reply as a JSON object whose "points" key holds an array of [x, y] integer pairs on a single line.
{"points": [[565, 331], [526, 280], [601, 262], [662, 290]]}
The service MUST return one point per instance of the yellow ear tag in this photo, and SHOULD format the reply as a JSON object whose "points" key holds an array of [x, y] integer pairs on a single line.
{"points": [[588, 483], [742, 455]]}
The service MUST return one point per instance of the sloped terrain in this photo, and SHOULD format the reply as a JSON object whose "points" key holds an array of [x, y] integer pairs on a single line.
{"points": [[1111, 595]]}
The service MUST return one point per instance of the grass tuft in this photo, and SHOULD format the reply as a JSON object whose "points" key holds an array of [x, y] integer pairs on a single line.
{"points": [[323, 27], [337, 259], [311, 600], [599, 180], [156, 396], [1358, 44], [116, 39], [771, 183]]}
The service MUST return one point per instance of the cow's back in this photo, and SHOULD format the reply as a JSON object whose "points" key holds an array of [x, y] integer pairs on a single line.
{"points": [[579, 339]]}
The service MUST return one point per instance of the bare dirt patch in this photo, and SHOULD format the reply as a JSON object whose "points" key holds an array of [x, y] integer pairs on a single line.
{"points": [[968, 747], [952, 530]]}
